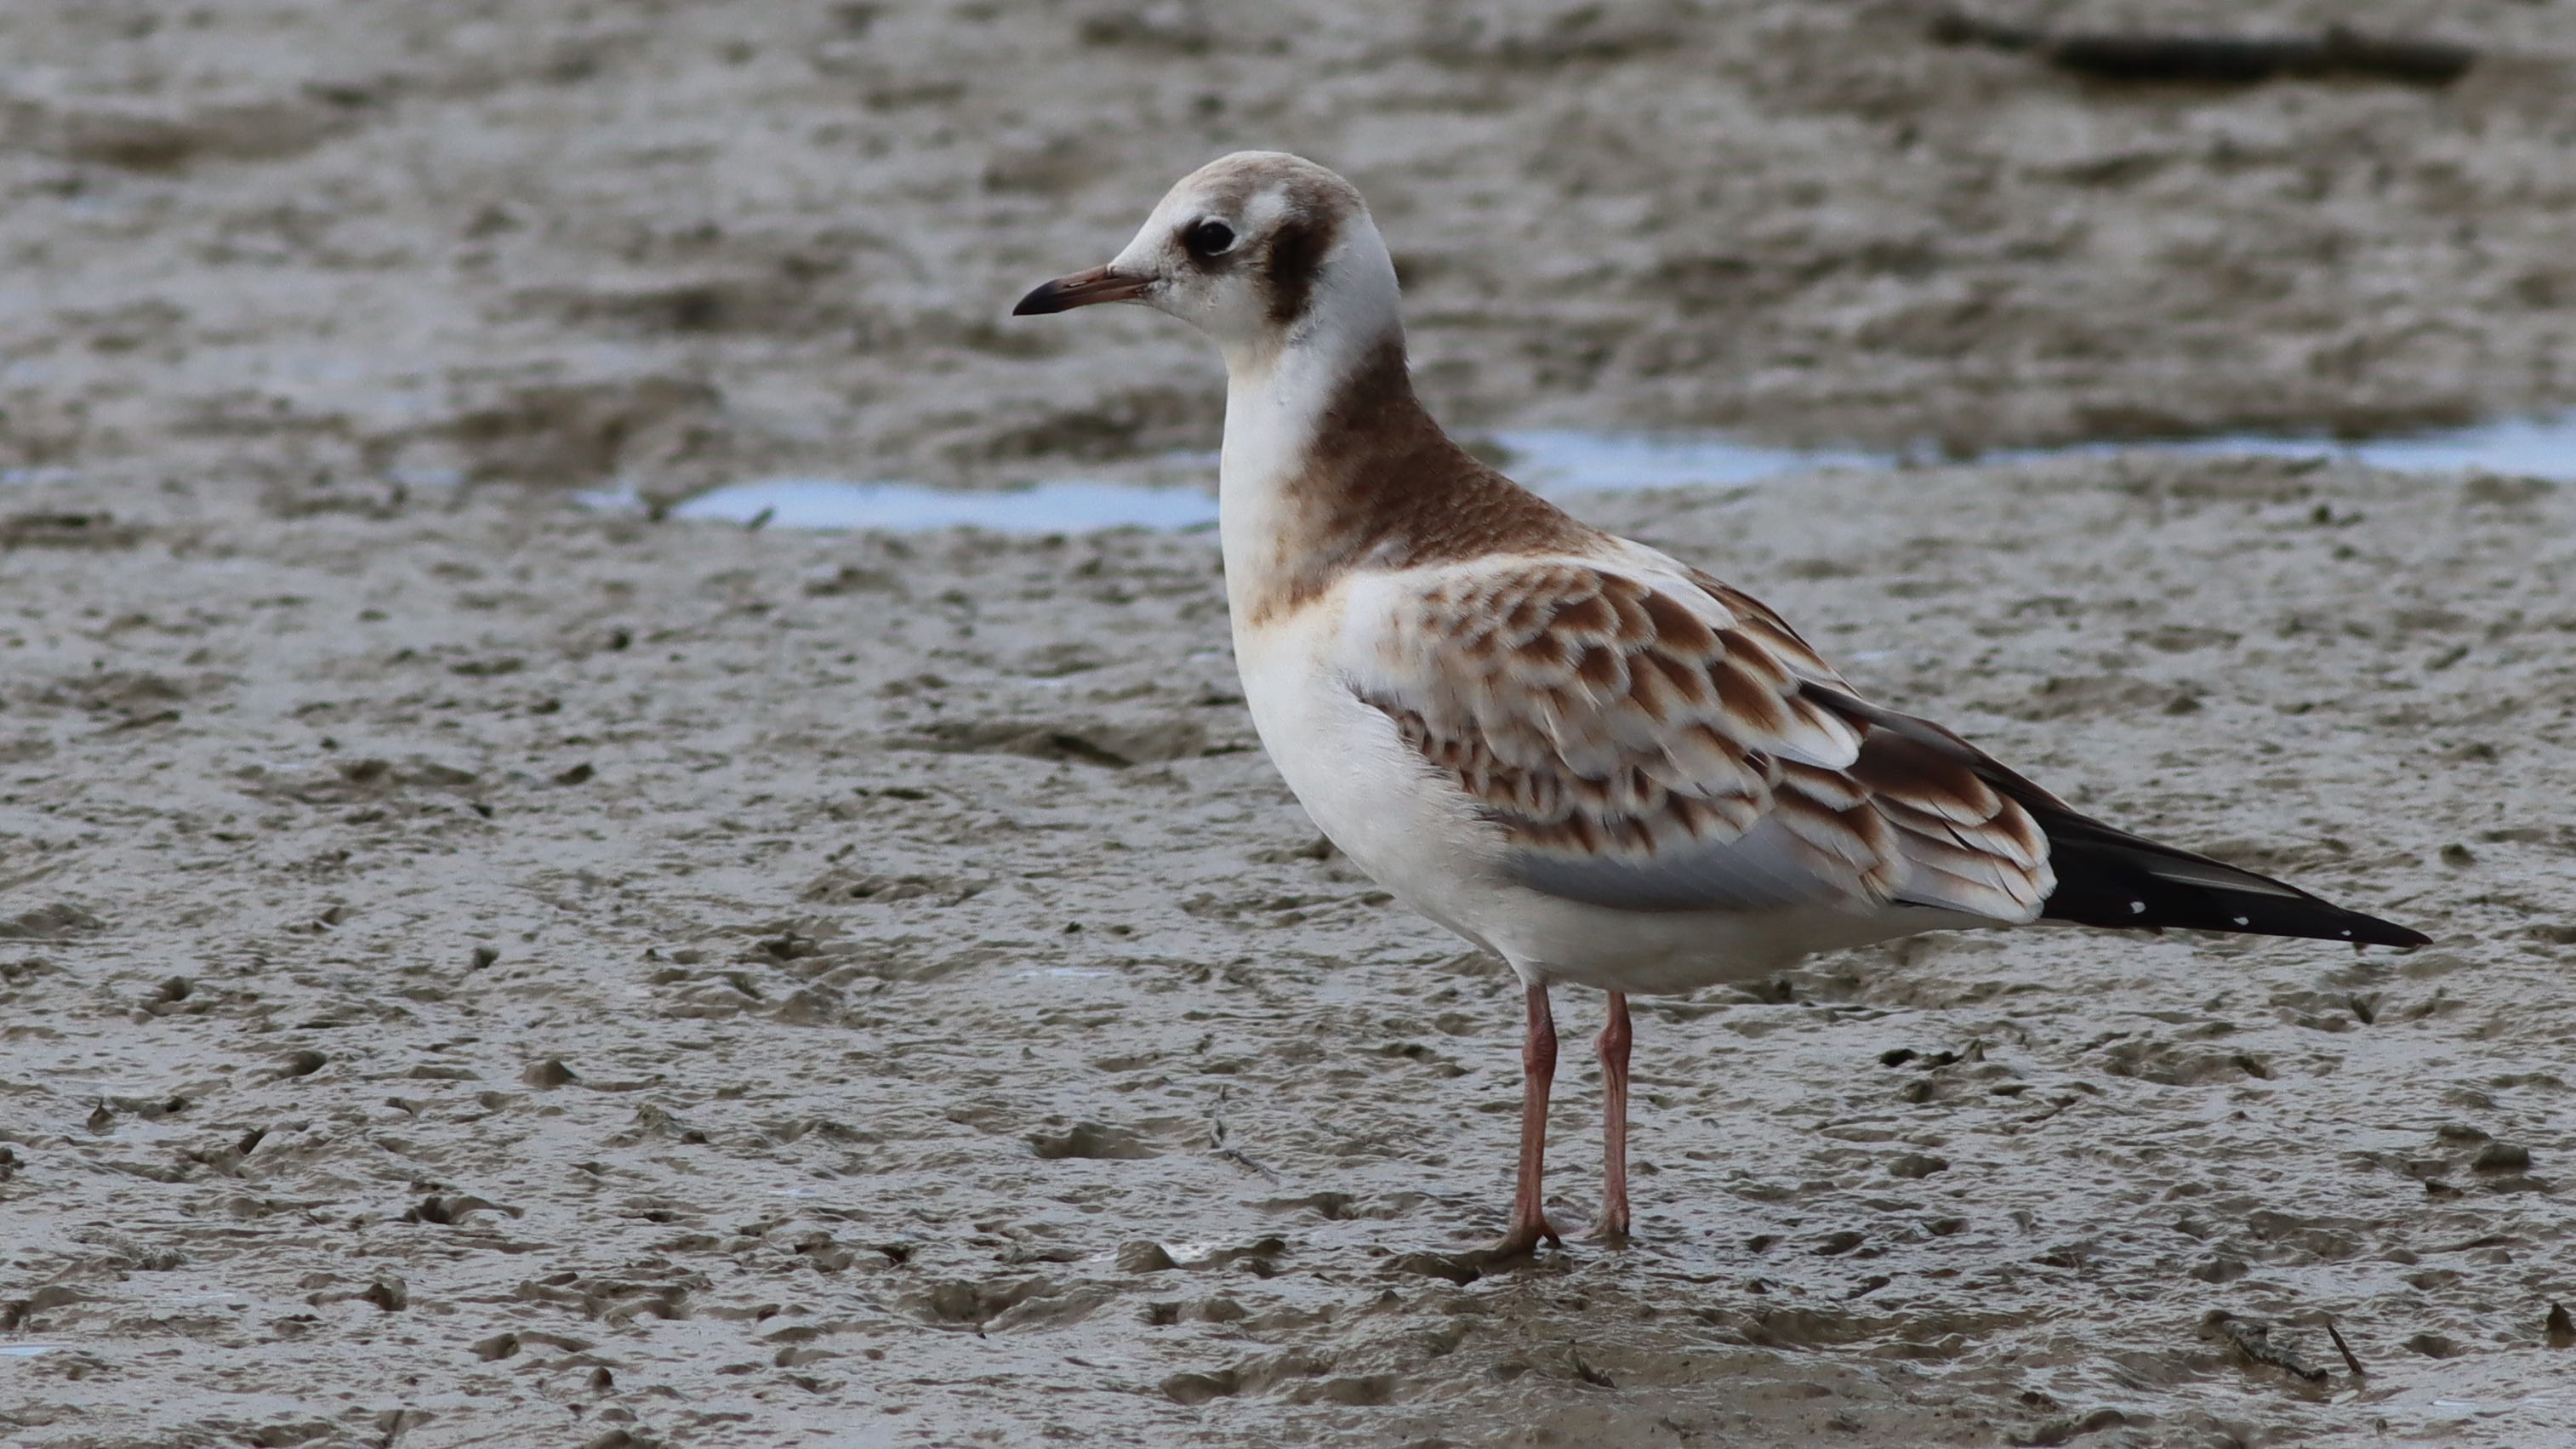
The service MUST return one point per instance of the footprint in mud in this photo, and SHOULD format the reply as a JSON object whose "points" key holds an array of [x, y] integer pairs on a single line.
{"points": [[957, 1303], [1094, 1140], [1304, 1378], [301, 1063], [1114, 745], [549, 1074], [1345, 1207], [61, 921], [453, 1209]]}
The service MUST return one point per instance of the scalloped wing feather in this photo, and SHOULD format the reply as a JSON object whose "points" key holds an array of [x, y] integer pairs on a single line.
{"points": [[1652, 744]]}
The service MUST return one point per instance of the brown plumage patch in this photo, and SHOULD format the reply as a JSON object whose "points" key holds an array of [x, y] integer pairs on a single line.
{"points": [[1297, 250], [1598, 719], [1778, 640], [1230, 183], [1384, 488]]}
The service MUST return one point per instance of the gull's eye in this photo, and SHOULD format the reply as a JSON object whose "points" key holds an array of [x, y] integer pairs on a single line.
{"points": [[1208, 239]]}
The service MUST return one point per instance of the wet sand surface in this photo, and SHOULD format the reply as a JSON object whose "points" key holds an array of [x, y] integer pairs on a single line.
{"points": [[676, 243], [523, 972], [477, 972]]}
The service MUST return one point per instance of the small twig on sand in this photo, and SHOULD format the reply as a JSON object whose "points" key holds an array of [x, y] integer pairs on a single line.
{"points": [[1230, 1155], [2345, 1349], [1216, 1143], [2254, 1340]]}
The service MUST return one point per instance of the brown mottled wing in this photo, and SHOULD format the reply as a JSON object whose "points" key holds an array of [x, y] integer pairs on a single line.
{"points": [[2109, 877], [1663, 746]]}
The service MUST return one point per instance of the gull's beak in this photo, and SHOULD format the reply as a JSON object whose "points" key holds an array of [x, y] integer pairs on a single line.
{"points": [[1100, 284]]}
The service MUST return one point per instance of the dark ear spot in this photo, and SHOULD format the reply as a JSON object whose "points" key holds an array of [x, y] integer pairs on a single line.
{"points": [[1296, 259]]}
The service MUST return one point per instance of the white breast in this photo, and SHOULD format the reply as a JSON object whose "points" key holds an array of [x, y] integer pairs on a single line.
{"points": [[1365, 789]]}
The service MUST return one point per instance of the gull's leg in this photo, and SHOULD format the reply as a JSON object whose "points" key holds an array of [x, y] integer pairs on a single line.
{"points": [[1613, 1050], [1538, 1071]]}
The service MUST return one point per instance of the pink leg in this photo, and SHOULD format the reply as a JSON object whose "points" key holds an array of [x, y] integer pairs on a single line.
{"points": [[1613, 1050], [1538, 1072]]}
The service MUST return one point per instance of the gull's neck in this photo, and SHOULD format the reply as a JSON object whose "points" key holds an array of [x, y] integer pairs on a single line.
{"points": [[1331, 465]]}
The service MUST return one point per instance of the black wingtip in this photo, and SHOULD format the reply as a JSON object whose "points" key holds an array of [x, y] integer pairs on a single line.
{"points": [[2106, 877], [2372, 931], [2390, 934]]}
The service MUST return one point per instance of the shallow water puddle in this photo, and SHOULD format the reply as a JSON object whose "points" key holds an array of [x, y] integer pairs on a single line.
{"points": [[1568, 461], [1555, 462]]}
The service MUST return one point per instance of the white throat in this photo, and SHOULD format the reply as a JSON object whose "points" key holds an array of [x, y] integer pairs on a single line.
{"points": [[1278, 388]]}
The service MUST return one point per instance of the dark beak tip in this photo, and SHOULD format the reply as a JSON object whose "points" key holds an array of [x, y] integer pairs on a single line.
{"points": [[1082, 289]]}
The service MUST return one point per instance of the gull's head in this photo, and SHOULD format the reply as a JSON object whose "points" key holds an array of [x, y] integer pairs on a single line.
{"points": [[1260, 250]]}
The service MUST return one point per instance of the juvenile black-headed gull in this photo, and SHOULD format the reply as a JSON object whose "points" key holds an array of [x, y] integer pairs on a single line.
{"points": [[1590, 758]]}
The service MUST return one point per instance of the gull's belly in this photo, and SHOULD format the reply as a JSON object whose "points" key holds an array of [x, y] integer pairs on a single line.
{"points": [[1665, 952], [1419, 836]]}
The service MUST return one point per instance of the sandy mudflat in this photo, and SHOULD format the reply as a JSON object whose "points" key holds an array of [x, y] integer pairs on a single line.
{"points": [[569, 239], [891, 941], [478, 972]]}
